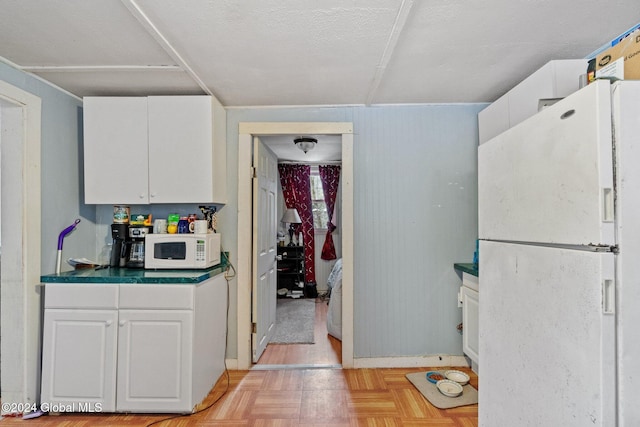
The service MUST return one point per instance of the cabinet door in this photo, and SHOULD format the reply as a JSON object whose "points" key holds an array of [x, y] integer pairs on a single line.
{"points": [[493, 120], [78, 358], [154, 361], [181, 155], [470, 329], [115, 150], [556, 79]]}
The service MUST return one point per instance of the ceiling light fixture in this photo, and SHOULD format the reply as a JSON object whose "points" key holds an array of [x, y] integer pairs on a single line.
{"points": [[305, 143]]}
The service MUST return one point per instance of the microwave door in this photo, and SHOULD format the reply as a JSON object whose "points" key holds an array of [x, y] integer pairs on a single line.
{"points": [[170, 250]]}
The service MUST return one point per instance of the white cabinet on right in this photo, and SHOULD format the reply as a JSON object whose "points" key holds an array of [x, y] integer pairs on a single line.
{"points": [[187, 150], [154, 360], [470, 319], [556, 79], [157, 149]]}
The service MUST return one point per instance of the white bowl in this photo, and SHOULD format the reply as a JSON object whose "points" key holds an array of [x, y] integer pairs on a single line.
{"points": [[457, 376], [449, 388]]}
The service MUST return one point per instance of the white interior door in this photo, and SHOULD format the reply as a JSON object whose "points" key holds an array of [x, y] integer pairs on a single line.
{"points": [[265, 186], [20, 300], [550, 178]]}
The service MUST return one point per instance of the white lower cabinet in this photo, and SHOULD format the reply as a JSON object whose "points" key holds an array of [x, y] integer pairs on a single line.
{"points": [[79, 359], [132, 347], [470, 319], [154, 360]]}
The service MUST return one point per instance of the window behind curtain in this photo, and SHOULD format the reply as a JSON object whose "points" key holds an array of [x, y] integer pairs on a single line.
{"points": [[320, 216]]}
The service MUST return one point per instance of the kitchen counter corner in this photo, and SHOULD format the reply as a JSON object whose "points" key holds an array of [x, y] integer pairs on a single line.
{"points": [[469, 268]]}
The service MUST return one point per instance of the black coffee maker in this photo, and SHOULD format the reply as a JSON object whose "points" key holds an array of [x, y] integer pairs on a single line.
{"points": [[120, 246], [136, 245]]}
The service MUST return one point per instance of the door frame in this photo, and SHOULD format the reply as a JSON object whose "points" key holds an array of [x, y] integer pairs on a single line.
{"points": [[20, 295], [246, 132]]}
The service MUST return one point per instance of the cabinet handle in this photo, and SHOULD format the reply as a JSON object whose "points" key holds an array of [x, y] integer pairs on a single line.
{"points": [[141, 196], [153, 195], [122, 322], [108, 322]]}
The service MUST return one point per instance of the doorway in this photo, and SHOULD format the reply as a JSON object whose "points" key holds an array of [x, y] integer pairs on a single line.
{"points": [[21, 239], [307, 328], [245, 274]]}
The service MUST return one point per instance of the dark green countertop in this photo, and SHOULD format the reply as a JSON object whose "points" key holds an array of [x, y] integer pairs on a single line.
{"points": [[467, 268], [135, 275]]}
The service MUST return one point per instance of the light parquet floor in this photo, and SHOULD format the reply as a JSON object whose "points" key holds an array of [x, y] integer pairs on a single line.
{"points": [[326, 350], [298, 397]]}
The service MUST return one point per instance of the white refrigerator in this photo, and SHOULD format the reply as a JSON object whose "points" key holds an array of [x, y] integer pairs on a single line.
{"points": [[559, 223]]}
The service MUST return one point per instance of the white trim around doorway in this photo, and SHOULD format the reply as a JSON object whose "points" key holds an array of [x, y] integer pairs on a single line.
{"points": [[21, 235], [245, 211]]}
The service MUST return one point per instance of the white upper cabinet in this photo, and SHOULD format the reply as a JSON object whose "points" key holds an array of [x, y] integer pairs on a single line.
{"points": [[115, 150], [158, 149], [556, 79]]}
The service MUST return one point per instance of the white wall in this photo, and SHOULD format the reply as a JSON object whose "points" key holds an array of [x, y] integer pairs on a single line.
{"points": [[415, 209], [61, 170], [47, 129]]}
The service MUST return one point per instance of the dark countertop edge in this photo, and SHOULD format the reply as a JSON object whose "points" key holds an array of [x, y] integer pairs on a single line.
{"points": [[82, 276], [469, 268]]}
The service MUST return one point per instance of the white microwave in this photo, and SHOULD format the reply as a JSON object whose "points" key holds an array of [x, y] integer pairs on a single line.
{"points": [[181, 251]]}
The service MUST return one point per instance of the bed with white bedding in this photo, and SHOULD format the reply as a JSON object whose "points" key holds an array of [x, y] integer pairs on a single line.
{"points": [[334, 314]]}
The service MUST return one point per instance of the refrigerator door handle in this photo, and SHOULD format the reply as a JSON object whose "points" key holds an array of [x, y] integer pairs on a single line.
{"points": [[608, 297], [607, 205]]}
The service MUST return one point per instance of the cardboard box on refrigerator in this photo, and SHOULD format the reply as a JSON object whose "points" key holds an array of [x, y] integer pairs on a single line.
{"points": [[621, 61]]}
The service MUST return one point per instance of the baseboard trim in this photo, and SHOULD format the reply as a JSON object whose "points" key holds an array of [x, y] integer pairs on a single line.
{"points": [[296, 366], [435, 361], [231, 364]]}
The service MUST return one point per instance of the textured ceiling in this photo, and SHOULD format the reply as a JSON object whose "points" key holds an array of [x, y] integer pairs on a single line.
{"points": [[303, 52]]}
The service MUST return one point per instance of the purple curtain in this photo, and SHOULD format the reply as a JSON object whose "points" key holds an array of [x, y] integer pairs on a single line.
{"points": [[330, 177], [296, 187]]}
